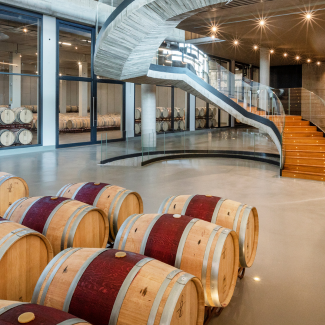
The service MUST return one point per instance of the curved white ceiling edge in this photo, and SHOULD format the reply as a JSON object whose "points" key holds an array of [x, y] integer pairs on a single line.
{"points": [[126, 47]]}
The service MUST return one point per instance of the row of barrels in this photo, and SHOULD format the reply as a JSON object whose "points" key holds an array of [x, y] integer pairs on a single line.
{"points": [[207, 237], [21, 115], [162, 112], [69, 108], [163, 126], [201, 123], [201, 111], [10, 137]]}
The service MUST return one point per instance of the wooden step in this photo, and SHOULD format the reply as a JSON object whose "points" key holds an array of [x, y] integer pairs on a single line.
{"points": [[305, 161], [305, 168], [305, 154], [304, 140], [300, 128], [297, 123], [305, 147], [303, 175], [305, 134], [293, 118]]}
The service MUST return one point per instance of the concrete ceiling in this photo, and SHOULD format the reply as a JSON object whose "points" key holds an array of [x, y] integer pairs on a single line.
{"points": [[286, 30]]}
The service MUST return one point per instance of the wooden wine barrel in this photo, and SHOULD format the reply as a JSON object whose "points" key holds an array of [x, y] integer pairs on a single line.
{"points": [[7, 138], [182, 125], [137, 113], [203, 123], [23, 115], [34, 108], [167, 112], [197, 124], [62, 124], [117, 119], [106, 286], [226, 213], [75, 123], [74, 109], [68, 110], [158, 126], [215, 123], [12, 188], [202, 111], [176, 112], [197, 111], [117, 202], [24, 254], [181, 112], [66, 223], [189, 244], [210, 123], [23, 136], [15, 313], [176, 125], [86, 122], [165, 126], [7, 115], [137, 128]]}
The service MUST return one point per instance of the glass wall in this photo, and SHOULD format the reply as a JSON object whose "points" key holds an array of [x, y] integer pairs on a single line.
{"points": [[19, 78], [180, 109], [164, 114]]}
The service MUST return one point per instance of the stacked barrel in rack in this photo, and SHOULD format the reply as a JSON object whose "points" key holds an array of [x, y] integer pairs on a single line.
{"points": [[204, 116], [14, 126], [164, 119]]}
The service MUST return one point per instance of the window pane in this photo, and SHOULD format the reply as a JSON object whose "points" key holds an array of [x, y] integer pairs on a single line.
{"points": [[137, 113], [18, 110], [74, 52], [19, 37], [180, 114], [163, 111], [213, 119], [200, 114], [224, 118], [109, 111], [74, 117]]}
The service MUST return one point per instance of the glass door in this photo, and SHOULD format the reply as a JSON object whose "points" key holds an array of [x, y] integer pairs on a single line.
{"points": [[76, 124]]}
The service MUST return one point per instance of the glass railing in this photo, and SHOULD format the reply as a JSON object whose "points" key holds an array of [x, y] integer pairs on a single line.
{"points": [[305, 103], [136, 150]]}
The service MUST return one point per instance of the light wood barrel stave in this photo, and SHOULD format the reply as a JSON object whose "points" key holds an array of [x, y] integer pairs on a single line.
{"points": [[7, 115], [66, 223], [181, 112], [137, 128], [182, 125], [189, 244], [137, 113], [132, 290], [202, 111], [74, 109], [117, 202], [24, 254], [215, 123], [7, 138], [12, 188], [23, 115], [224, 212], [23, 136], [11, 310], [203, 123], [197, 124], [176, 125], [158, 126]]}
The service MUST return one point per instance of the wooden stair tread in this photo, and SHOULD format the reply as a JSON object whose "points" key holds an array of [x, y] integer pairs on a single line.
{"points": [[306, 173]]}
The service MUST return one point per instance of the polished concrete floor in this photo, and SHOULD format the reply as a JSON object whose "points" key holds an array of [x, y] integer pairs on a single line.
{"points": [[290, 258]]}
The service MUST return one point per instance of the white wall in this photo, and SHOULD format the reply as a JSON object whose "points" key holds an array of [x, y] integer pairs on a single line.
{"points": [[110, 98], [163, 96]]}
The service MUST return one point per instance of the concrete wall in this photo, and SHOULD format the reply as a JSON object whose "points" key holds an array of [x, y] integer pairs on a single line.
{"points": [[313, 78]]}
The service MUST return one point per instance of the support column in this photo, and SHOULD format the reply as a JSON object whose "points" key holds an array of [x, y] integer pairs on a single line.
{"points": [[49, 81], [233, 87], [265, 58], [129, 109], [192, 112], [63, 96], [15, 81], [83, 90], [148, 116]]}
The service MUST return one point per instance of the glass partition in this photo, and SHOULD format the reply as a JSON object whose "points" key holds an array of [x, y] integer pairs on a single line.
{"points": [[19, 79], [180, 109]]}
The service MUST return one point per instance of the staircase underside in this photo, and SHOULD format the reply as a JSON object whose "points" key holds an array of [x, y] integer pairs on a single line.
{"points": [[304, 149]]}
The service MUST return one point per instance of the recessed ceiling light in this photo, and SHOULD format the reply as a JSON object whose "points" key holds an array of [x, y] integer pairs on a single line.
{"points": [[79, 63], [309, 15], [271, 51], [214, 28], [318, 62], [236, 42], [255, 47], [308, 60], [297, 57], [25, 30], [257, 278], [285, 54], [76, 48], [262, 22]]}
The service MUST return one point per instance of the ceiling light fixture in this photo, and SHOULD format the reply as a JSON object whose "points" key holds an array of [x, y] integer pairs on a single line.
{"points": [[25, 30], [272, 51], [262, 22], [285, 54], [214, 28], [76, 48], [69, 44], [236, 42], [308, 15], [318, 62], [79, 63], [212, 36], [255, 47], [308, 60], [297, 57]]}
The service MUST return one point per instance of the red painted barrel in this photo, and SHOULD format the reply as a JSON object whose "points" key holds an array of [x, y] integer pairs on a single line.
{"points": [[65, 222], [10, 311], [108, 286], [117, 202], [224, 212]]}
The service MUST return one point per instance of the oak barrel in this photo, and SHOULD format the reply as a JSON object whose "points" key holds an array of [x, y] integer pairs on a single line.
{"points": [[107, 286], [10, 311], [12, 188], [66, 223], [23, 136], [226, 213], [117, 202], [23, 115], [7, 115], [189, 244], [7, 138], [137, 113], [24, 254]]}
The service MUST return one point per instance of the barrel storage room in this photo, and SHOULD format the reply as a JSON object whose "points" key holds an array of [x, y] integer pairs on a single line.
{"points": [[162, 162]]}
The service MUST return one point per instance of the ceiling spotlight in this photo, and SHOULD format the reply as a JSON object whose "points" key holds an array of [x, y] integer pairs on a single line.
{"points": [[236, 42], [20, 56], [285, 54], [255, 47], [36, 53], [60, 74], [214, 28], [79, 63], [297, 57], [25, 30], [308, 60], [318, 62], [308, 16], [271, 51], [262, 22], [76, 48], [257, 279], [212, 36]]}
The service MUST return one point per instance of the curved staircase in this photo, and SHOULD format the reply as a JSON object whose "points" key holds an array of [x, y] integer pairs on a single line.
{"points": [[304, 147]]}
